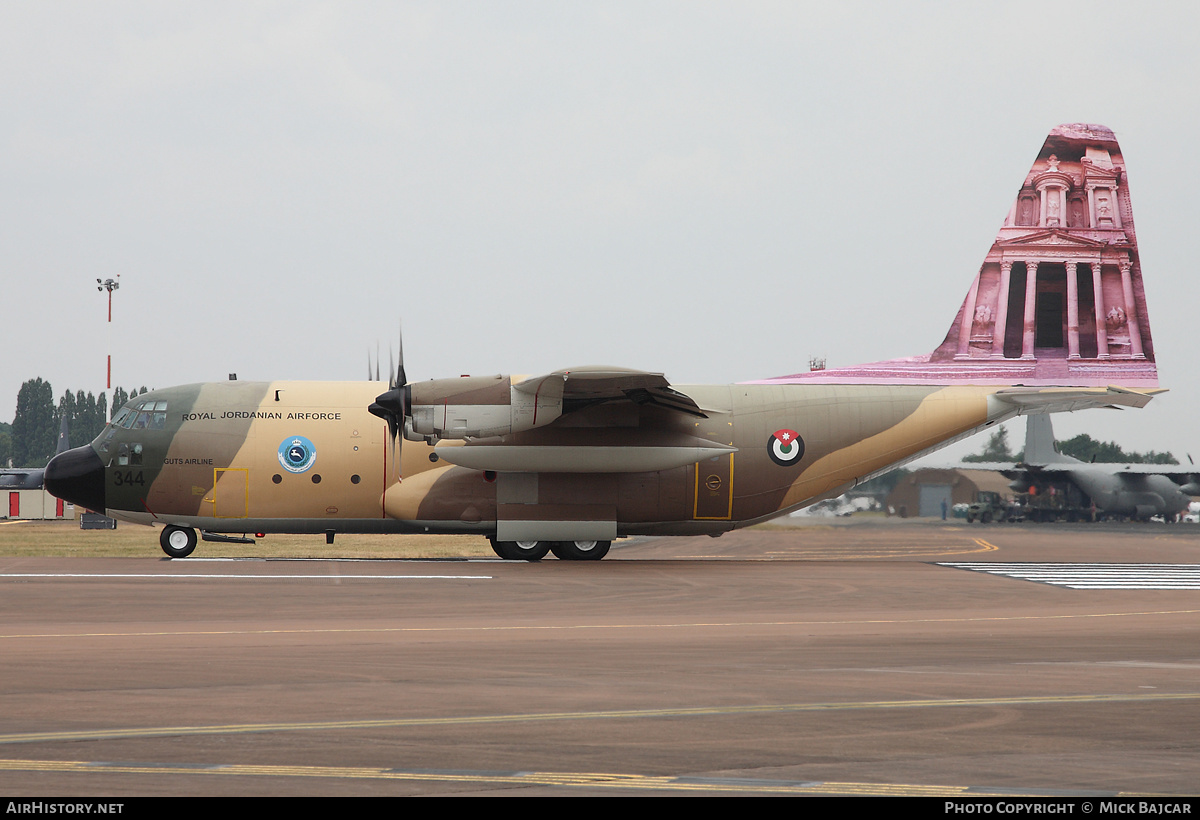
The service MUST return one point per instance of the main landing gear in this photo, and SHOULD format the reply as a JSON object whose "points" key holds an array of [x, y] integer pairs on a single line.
{"points": [[177, 542], [580, 550], [563, 550]]}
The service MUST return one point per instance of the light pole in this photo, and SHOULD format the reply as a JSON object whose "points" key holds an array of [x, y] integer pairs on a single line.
{"points": [[109, 285]]}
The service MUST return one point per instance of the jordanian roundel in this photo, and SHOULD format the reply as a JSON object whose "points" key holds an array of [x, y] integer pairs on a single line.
{"points": [[785, 447]]}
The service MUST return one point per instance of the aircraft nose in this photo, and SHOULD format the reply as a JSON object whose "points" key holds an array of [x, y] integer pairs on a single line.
{"points": [[77, 476]]}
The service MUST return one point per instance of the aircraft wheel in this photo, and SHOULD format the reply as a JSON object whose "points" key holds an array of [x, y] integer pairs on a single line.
{"points": [[580, 550], [177, 542], [521, 550]]}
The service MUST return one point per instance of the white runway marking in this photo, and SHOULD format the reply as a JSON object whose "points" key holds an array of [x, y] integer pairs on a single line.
{"points": [[1094, 576], [211, 576]]}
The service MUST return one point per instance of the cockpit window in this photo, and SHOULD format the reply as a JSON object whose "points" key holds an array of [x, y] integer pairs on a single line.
{"points": [[146, 415]]}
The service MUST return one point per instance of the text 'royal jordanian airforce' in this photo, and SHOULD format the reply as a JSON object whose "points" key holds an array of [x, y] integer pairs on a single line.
{"points": [[565, 462]]}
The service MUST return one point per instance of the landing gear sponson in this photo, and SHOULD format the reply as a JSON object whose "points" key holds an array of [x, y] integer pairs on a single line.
{"points": [[563, 550], [180, 542]]}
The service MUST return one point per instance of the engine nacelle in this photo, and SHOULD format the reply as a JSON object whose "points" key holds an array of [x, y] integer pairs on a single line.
{"points": [[481, 406]]}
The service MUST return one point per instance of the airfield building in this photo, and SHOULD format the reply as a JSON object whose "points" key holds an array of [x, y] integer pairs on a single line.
{"points": [[26, 497]]}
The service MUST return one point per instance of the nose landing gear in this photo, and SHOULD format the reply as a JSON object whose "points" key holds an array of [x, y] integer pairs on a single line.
{"points": [[177, 542]]}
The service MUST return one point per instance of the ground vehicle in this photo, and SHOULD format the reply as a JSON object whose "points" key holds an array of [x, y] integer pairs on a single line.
{"points": [[988, 507]]}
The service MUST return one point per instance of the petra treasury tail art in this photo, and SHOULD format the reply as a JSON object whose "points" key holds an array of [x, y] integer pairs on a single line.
{"points": [[565, 462]]}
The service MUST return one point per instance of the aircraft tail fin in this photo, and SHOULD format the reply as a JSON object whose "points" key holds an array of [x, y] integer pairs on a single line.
{"points": [[1040, 448], [1058, 300], [64, 442]]}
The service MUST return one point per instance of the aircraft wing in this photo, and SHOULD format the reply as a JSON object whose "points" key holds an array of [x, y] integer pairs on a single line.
{"points": [[590, 385], [1031, 400], [1124, 474], [990, 466], [1175, 472], [531, 447], [1010, 469]]}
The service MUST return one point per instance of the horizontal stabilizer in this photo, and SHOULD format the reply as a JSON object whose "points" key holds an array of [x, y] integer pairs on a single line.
{"points": [[1031, 400]]}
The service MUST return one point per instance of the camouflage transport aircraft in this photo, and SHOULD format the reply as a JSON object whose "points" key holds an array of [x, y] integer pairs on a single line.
{"points": [[1131, 490], [565, 462]]}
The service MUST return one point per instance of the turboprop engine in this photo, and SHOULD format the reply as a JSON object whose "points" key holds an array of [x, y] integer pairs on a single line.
{"points": [[481, 406]]}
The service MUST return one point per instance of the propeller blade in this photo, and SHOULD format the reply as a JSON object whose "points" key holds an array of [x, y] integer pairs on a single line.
{"points": [[401, 377], [392, 406]]}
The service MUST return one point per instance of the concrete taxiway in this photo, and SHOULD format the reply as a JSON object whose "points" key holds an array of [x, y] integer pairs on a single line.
{"points": [[817, 660]]}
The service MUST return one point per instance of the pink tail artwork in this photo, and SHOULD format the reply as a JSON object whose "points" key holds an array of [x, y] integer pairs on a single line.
{"points": [[1058, 300]]}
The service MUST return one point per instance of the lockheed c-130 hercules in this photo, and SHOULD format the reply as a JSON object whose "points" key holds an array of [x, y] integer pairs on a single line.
{"points": [[1055, 320], [1137, 491]]}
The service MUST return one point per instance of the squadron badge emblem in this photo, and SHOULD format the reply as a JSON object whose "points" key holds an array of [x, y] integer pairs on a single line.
{"points": [[297, 454]]}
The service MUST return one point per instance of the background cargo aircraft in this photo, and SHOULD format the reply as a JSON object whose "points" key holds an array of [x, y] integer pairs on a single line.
{"points": [[1055, 319], [1134, 490]]}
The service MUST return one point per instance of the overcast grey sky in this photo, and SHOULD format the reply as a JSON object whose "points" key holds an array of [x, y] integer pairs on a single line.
{"points": [[712, 190]]}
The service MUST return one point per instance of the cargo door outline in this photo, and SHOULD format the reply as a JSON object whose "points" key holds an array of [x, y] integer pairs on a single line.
{"points": [[231, 492]]}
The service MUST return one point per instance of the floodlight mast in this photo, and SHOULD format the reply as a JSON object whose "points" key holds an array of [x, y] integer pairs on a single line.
{"points": [[109, 285]]}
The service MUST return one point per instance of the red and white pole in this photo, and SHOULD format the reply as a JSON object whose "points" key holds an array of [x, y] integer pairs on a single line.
{"points": [[110, 285]]}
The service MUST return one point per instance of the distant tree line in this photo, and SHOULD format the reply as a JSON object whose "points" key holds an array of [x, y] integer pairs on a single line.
{"points": [[996, 449], [1082, 447], [31, 439], [1086, 448]]}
